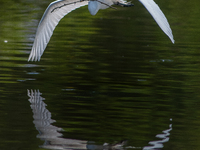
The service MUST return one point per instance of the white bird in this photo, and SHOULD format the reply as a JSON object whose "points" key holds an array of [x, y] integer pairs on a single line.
{"points": [[58, 9]]}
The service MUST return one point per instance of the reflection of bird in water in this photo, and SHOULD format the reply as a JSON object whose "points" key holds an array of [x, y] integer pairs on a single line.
{"points": [[158, 144], [58, 9], [47, 132], [50, 133], [53, 138]]}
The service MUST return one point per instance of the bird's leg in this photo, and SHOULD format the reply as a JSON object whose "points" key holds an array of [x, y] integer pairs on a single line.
{"points": [[105, 4], [128, 4]]}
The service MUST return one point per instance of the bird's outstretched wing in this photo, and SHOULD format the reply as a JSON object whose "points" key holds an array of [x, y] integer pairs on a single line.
{"points": [[51, 17], [158, 16]]}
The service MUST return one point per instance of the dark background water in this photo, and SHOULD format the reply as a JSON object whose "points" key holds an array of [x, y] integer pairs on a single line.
{"points": [[105, 78]]}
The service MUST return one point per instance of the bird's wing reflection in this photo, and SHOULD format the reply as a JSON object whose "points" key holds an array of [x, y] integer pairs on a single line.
{"points": [[159, 143], [48, 132], [53, 138]]}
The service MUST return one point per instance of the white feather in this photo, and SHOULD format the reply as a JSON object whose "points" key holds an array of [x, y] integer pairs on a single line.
{"points": [[53, 14], [58, 9], [159, 17]]}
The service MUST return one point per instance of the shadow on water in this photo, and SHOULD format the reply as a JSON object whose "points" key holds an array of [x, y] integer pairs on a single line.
{"points": [[53, 137]]}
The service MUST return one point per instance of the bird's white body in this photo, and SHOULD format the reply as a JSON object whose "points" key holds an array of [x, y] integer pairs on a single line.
{"points": [[94, 6], [58, 9]]}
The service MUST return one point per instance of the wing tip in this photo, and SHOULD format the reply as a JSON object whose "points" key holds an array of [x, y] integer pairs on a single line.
{"points": [[173, 41], [171, 37], [33, 58]]}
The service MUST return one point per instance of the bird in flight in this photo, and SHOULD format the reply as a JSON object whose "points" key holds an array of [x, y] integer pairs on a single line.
{"points": [[58, 9]]}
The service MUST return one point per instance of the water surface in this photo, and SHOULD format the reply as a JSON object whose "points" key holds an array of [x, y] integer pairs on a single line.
{"points": [[110, 78]]}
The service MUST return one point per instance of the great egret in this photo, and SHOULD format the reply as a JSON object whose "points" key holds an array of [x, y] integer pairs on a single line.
{"points": [[58, 9]]}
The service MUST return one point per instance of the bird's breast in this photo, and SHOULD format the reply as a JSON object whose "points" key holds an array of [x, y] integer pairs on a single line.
{"points": [[93, 7]]}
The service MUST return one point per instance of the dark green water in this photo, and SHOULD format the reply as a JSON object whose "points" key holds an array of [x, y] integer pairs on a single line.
{"points": [[105, 78]]}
